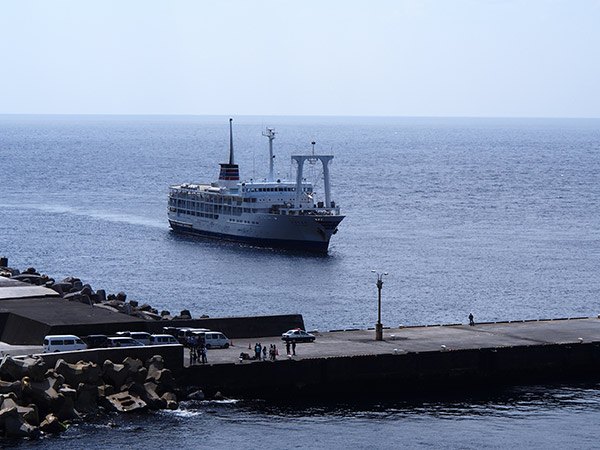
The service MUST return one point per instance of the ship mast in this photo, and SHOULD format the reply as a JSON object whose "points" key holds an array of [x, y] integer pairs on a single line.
{"points": [[270, 133], [325, 160], [230, 141]]}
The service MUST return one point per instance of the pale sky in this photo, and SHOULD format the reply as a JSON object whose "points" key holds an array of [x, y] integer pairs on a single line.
{"points": [[476, 58]]}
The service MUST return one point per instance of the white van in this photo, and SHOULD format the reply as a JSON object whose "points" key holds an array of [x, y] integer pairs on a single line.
{"points": [[162, 339], [214, 339], [63, 343], [141, 336]]}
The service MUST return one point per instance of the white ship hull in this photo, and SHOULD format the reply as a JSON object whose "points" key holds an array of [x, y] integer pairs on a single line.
{"points": [[298, 232]]}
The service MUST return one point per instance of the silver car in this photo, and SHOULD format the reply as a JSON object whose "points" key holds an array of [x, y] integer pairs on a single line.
{"points": [[298, 335]]}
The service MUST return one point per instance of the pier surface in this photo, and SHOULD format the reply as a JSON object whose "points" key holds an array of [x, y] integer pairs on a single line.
{"points": [[426, 339]]}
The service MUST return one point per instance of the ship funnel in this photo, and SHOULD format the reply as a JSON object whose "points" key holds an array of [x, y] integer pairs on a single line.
{"points": [[230, 173]]}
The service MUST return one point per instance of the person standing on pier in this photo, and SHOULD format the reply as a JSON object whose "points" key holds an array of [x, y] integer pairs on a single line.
{"points": [[471, 322], [257, 350]]}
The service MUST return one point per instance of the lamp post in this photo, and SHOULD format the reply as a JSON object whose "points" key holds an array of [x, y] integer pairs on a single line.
{"points": [[378, 325]]}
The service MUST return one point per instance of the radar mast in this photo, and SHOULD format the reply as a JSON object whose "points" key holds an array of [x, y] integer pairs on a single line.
{"points": [[270, 133]]}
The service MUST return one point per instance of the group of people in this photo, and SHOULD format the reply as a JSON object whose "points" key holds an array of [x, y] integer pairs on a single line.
{"points": [[260, 352], [197, 350]]}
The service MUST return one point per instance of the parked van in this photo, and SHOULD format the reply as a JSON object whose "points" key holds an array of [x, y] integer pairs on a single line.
{"points": [[214, 339], [185, 333], [123, 341], [96, 341], [170, 330], [140, 336], [162, 339], [62, 343]]}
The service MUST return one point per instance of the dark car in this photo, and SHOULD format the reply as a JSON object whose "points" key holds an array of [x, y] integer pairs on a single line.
{"points": [[171, 330], [96, 341], [122, 341]]}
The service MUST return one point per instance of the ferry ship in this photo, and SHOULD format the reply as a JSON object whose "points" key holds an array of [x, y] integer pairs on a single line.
{"points": [[268, 213]]}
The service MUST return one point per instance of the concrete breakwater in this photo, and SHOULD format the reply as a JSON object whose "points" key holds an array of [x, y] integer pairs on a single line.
{"points": [[414, 373], [43, 394]]}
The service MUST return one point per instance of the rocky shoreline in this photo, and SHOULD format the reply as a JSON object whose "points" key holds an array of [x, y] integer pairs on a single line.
{"points": [[36, 399], [73, 289]]}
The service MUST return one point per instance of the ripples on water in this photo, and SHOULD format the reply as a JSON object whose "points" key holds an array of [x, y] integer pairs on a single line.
{"points": [[540, 417], [498, 217]]}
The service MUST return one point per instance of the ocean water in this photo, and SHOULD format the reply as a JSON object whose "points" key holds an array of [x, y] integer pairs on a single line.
{"points": [[499, 217]]}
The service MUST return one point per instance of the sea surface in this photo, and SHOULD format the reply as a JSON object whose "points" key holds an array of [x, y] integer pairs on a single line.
{"points": [[498, 217]]}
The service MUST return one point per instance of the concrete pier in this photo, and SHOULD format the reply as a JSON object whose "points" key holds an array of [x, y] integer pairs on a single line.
{"points": [[411, 359], [408, 359]]}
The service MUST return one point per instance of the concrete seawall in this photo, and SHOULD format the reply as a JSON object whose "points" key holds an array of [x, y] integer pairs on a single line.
{"points": [[406, 373], [172, 355]]}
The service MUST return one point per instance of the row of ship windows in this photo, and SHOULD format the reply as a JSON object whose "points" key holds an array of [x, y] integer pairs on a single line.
{"points": [[217, 209], [243, 221], [220, 200], [194, 206], [279, 189], [198, 214], [182, 202]]}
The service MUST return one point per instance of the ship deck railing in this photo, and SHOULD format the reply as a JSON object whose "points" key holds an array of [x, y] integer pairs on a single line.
{"points": [[317, 211]]}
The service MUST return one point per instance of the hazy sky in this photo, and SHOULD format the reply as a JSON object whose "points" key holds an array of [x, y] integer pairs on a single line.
{"points": [[491, 58]]}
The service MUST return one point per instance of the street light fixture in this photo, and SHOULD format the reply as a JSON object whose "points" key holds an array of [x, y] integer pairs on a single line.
{"points": [[378, 325]]}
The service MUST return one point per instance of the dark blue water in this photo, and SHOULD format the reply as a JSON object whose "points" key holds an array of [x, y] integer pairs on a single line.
{"points": [[497, 217]]}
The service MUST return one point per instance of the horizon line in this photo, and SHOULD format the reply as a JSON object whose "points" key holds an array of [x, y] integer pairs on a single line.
{"points": [[373, 116]]}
